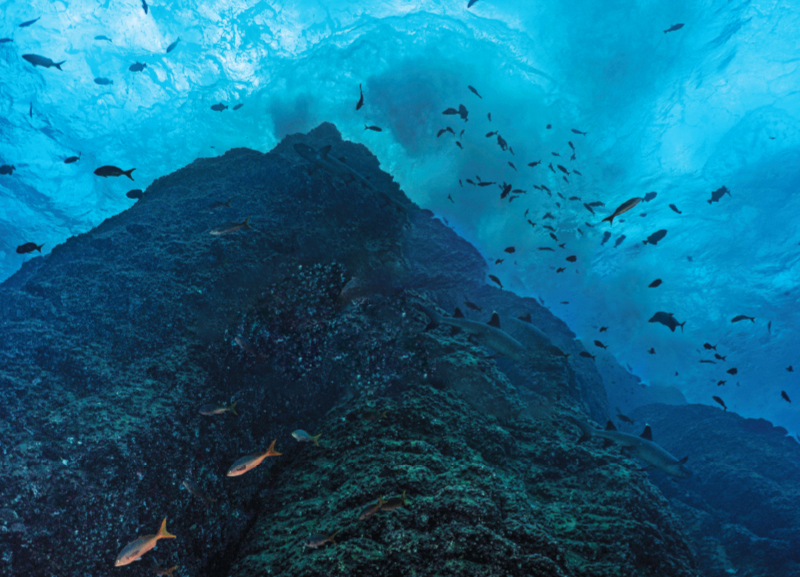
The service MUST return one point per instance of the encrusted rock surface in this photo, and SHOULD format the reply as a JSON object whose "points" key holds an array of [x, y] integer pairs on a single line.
{"points": [[109, 345]]}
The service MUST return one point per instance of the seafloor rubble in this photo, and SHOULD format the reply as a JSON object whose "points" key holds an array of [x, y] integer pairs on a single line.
{"points": [[111, 343]]}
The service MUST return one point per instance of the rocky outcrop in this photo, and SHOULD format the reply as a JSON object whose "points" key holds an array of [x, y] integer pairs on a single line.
{"points": [[109, 345]]}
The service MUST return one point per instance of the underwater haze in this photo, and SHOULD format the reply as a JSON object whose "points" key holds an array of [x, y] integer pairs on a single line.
{"points": [[679, 113]]}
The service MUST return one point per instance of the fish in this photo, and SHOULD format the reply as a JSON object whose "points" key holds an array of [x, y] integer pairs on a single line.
{"points": [[789, 369], [535, 163], [769, 327], [652, 351], [218, 107], [473, 306], [137, 67], [232, 227], [548, 215], [133, 551], [301, 436], [572, 146], [603, 329], [549, 126], [546, 248], [395, 503], [29, 247], [218, 204], [576, 131], [709, 346], [450, 198], [625, 419], [738, 318], [721, 402], [649, 196], [561, 269], [250, 462], [718, 194], [109, 170], [642, 447], [360, 102], [719, 357], [619, 240], [102, 37], [586, 355], [316, 541], [215, 409], [484, 183], [668, 320], [441, 131], [555, 154], [29, 22], [506, 190], [71, 159], [489, 116], [501, 142], [785, 397], [195, 490], [550, 166], [596, 203], [673, 28], [721, 383], [565, 179], [135, 194], [458, 144], [42, 61], [655, 237], [623, 208], [475, 92], [173, 46], [499, 261], [144, 6], [732, 371], [574, 171], [511, 164], [7, 169], [158, 570], [371, 509], [510, 250], [708, 362], [489, 334], [470, 181], [572, 258], [103, 81], [562, 169], [4, 40], [471, 3], [238, 106], [675, 208], [496, 280], [656, 283], [599, 344], [606, 237], [545, 188], [373, 128], [578, 198]]}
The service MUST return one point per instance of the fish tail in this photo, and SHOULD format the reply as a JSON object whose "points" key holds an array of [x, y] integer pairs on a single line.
{"points": [[39, 248], [228, 204], [434, 317], [58, 64], [681, 325], [128, 173], [333, 535], [752, 319], [403, 498], [366, 127], [644, 242], [709, 202], [245, 223], [271, 452], [162, 531], [610, 219], [171, 570], [586, 430], [315, 438], [233, 409], [383, 414]]}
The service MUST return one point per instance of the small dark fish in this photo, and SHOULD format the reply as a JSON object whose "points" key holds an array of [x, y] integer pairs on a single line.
{"points": [[172, 46], [656, 283], [29, 22], [562, 169], [599, 344], [673, 28], [373, 128], [708, 362], [506, 190], [590, 209], [555, 154], [108, 170], [135, 194], [548, 227], [603, 329], [371, 509], [501, 142], [450, 198], [195, 490], [675, 208], [596, 203], [560, 269], [721, 383], [490, 134], [451, 131], [643, 214], [316, 541], [496, 280], [649, 196], [554, 237], [545, 188], [549, 126], [7, 169], [720, 401], [719, 357], [652, 351], [738, 318], [534, 163], [732, 371], [511, 164], [29, 247], [586, 355], [530, 222], [103, 81], [574, 171], [709, 346], [483, 183], [572, 146], [655, 237], [576, 131], [546, 248], [372, 416], [137, 67], [218, 107], [606, 236], [769, 327], [4, 40], [572, 258], [489, 116], [463, 112], [548, 215], [785, 397], [42, 61], [360, 102], [565, 179], [499, 261], [458, 144], [623, 208], [144, 6], [101, 37], [619, 240], [550, 166], [238, 106], [578, 198], [668, 320], [218, 204], [473, 306], [475, 92], [510, 250], [789, 369], [470, 181], [441, 131], [718, 194], [625, 419]]}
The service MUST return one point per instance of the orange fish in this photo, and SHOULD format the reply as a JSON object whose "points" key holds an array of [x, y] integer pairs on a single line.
{"points": [[244, 464], [134, 551], [395, 503], [232, 227], [370, 510], [158, 570]]}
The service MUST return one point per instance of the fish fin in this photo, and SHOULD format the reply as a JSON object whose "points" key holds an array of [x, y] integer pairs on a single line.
{"points": [[683, 323], [458, 314], [333, 535], [647, 434], [128, 173], [494, 321], [315, 438], [245, 223], [228, 204], [271, 452], [683, 461], [403, 498], [233, 408], [162, 531], [58, 64], [433, 317], [39, 248], [610, 426], [324, 151], [526, 318]]}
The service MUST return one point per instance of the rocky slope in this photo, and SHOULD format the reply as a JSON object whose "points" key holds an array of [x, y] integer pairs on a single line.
{"points": [[111, 343]]}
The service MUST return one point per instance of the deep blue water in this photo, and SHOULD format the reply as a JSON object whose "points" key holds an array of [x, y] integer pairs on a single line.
{"points": [[682, 114]]}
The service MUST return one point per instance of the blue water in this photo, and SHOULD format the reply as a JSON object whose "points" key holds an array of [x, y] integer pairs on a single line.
{"points": [[681, 114]]}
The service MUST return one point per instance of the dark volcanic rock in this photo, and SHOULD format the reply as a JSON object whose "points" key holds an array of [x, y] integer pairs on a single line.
{"points": [[111, 343], [742, 506]]}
